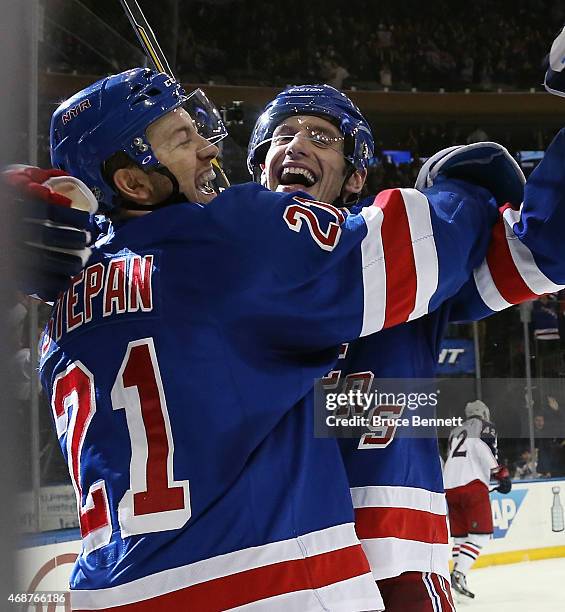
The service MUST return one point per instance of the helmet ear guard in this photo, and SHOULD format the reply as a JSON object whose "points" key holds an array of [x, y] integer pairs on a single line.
{"points": [[112, 115], [318, 100]]}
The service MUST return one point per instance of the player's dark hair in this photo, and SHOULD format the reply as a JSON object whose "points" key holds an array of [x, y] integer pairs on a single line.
{"points": [[117, 161], [120, 160]]}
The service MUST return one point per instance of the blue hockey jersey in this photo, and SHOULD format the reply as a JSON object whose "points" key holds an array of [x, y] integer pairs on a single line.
{"points": [[397, 489], [179, 365]]}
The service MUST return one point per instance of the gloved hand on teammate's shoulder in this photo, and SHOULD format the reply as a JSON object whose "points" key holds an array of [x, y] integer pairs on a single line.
{"points": [[486, 164], [504, 481], [52, 215], [554, 80]]}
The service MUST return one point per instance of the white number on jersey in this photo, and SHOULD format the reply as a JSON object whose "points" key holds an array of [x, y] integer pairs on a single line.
{"points": [[154, 501]]}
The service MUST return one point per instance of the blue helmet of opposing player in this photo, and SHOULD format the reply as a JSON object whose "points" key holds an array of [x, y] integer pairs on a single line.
{"points": [[112, 115], [319, 100]]}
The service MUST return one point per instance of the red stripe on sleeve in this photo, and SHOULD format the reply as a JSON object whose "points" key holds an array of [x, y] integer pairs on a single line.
{"points": [[505, 275], [403, 523], [399, 257], [259, 583]]}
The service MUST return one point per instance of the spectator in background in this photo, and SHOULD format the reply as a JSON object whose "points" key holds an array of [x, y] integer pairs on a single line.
{"points": [[545, 322], [543, 446], [384, 42], [19, 362], [525, 467], [337, 73], [486, 75], [20, 371], [477, 135], [467, 71], [554, 417], [16, 317], [385, 75], [555, 423]]}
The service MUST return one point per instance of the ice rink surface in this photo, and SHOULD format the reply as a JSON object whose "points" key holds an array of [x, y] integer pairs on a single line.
{"points": [[536, 586]]}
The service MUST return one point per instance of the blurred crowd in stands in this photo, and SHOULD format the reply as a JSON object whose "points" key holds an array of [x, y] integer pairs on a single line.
{"points": [[548, 460], [369, 45], [362, 44]]}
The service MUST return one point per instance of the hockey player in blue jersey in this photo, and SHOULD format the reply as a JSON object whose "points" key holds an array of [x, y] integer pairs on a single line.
{"points": [[396, 485], [331, 147], [177, 360], [173, 362]]}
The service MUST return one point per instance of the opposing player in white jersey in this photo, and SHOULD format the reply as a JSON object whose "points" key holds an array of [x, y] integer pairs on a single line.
{"points": [[471, 463]]}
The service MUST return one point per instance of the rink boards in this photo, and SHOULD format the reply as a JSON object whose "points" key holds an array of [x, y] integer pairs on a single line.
{"points": [[524, 523], [524, 530]]}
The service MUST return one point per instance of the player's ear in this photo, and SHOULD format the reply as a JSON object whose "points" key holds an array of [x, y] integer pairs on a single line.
{"points": [[133, 184], [355, 182], [263, 175]]}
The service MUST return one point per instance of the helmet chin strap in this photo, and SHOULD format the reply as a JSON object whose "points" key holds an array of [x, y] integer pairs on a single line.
{"points": [[339, 201], [176, 197]]}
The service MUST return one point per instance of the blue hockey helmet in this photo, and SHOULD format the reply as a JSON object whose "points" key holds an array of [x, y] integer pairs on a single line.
{"points": [[112, 115], [319, 100]]}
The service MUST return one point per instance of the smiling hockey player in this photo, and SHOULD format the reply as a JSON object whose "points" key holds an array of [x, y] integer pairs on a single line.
{"points": [[310, 138]]}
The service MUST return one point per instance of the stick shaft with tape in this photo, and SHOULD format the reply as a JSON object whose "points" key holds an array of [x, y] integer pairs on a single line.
{"points": [[148, 41], [146, 36]]}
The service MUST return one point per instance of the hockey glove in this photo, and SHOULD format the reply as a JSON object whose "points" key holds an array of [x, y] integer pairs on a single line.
{"points": [[555, 75], [486, 164], [52, 229], [504, 482]]}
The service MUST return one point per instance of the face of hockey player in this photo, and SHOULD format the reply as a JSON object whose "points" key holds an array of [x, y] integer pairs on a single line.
{"points": [[306, 154], [180, 148]]}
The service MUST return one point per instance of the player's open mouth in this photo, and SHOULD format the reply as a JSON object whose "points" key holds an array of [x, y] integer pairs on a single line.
{"points": [[294, 175], [204, 184]]}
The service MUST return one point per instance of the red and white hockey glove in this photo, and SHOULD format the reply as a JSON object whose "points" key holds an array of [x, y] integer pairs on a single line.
{"points": [[504, 482], [52, 216]]}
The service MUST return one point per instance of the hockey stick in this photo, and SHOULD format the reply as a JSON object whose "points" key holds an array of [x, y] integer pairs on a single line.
{"points": [[152, 49], [146, 36]]}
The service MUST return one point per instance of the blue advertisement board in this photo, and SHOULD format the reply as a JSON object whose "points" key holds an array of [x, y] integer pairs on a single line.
{"points": [[504, 510], [456, 356]]}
